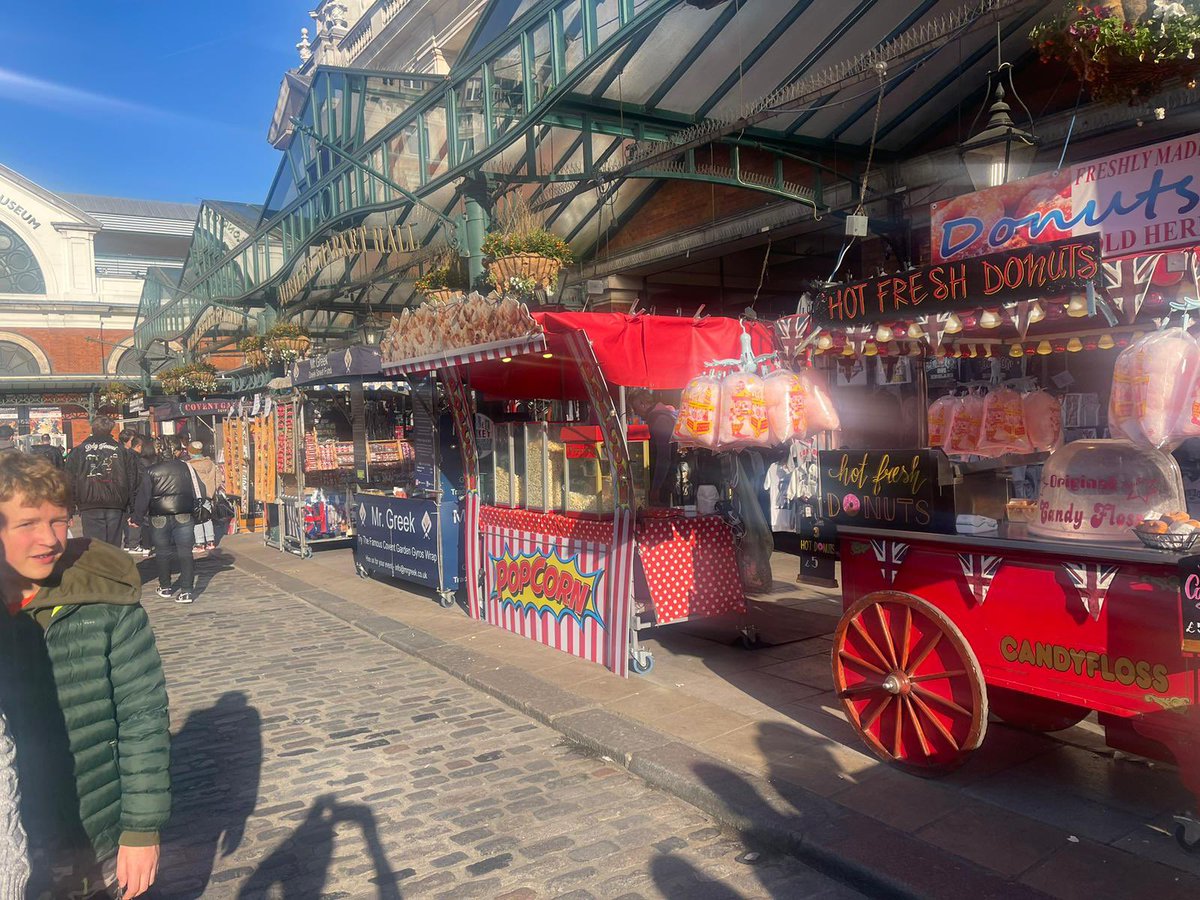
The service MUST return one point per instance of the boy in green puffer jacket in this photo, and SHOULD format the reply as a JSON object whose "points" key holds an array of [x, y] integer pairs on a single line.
{"points": [[82, 683]]}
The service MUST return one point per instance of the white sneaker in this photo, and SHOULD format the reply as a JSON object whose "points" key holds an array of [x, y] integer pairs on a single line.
{"points": [[166, 593], [183, 597]]}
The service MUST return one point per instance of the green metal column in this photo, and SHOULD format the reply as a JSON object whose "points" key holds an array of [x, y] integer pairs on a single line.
{"points": [[472, 249]]}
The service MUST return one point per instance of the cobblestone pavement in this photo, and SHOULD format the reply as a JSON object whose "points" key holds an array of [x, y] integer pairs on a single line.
{"points": [[312, 760]]}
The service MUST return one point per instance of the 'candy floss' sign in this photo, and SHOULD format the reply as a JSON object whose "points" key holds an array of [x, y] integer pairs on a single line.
{"points": [[1139, 201]]}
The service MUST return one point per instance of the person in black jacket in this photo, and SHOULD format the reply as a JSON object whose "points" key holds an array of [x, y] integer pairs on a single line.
{"points": [[45, 448], [105, 480], [167, 497]]}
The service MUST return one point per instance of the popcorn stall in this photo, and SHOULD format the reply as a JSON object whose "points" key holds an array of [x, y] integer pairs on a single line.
{"points": [[557, 488], [1029, 557]]}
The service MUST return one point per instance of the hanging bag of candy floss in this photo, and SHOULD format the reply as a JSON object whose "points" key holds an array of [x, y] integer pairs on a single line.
{"points": [[938, 418], [817, 404], [696, 425], [1004, 428], [966, 421], [1151, 386], [743, 420], [1188, 424], [1043, 420], [786, 414]]}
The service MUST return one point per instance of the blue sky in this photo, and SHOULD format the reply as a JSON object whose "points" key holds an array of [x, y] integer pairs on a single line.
{"points": [[159, 99]]}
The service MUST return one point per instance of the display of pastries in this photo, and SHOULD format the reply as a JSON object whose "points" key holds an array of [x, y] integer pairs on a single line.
{"points": [[442, 327]]}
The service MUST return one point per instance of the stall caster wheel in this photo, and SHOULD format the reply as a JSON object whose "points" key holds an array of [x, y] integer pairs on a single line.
{"points": [[306, 553], [361, 571], [641, 663], [748, 639], [909, 682], [446, 600], [1187, 833]]}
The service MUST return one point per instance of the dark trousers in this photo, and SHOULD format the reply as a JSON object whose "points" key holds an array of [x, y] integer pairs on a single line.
{"points": [[176, 532], [102, 524]]}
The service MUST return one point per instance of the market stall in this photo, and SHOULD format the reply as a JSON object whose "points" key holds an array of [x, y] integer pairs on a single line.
{"points": [[1028, 555], [553, 490]]}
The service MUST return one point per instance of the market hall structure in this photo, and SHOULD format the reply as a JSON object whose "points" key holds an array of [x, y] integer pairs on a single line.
{"points": [[940, 280]]}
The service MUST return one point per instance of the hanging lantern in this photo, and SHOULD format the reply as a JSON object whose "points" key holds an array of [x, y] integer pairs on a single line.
{"points": [[990, 319], [940, 352], [1122, 341], [1089, 344], [972, 351], [953, 324], [970, 320], [914, 348], [1044, 348], [825, 341], [957, 353], [1002, 151], [900, 332], [1016, 351], [915, 332], [1036, 313], [848, 350], [1106, 342], [1060, 346], [1074, 345], [987, 351], [1030, 351], [870, 349], [1077, 306], [883, 334]]}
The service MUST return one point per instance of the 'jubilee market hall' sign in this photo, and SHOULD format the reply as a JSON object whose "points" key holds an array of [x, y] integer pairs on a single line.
{"points": [[1035, 271], [395, 239]]}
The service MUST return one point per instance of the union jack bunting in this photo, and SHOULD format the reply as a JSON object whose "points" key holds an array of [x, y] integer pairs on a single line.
{"points": [[790, 332], [890, 555], [1128, 281], [979, 570], [1092, 580]]}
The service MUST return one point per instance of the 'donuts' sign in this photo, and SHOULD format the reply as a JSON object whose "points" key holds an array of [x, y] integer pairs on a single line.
{"points": [[990, 280]]}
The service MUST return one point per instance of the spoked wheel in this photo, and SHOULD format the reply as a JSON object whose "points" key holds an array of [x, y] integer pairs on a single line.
{"points": [[1033, 713], [909, 682]]}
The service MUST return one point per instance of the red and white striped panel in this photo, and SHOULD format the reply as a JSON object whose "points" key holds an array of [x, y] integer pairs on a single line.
{"points": [[471, 561], [620, 592], [607, 643], [534, 344]]}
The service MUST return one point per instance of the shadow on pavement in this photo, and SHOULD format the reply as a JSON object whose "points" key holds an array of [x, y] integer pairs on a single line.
{"points": [[300, 865], [216, 763]]}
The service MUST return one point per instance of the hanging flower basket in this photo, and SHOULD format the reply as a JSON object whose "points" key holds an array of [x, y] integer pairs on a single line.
{"points": [[286, 343], [199, 378], [115, 393], [256, 359], [1122, 61], [531, 269]]}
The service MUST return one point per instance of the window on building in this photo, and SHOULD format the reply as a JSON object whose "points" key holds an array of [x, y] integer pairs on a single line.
{"points": [[19, 271], [16, 360], [127, 364]]}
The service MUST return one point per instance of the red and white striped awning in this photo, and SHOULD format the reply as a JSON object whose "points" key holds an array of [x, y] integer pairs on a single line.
{"points": [[463, 355]]}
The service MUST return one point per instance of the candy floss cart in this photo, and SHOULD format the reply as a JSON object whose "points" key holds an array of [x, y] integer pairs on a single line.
{"points": [[556, 487], [1030, 557]]}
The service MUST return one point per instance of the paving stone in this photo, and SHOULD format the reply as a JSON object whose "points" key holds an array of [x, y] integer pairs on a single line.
{"points": [[314, 758]]}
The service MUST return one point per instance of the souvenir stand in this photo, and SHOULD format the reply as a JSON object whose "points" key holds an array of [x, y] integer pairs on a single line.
{"points": [[248, 453], [555, 504], [310, 444], [1030, 557]]}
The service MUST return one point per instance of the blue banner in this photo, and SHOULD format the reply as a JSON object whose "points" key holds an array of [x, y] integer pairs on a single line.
{"points": [[399, 538]]}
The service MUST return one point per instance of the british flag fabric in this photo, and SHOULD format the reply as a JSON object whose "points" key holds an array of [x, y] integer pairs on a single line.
{"points": [[1092, 581], [979, 570], [1128, 282], [890, 555]]}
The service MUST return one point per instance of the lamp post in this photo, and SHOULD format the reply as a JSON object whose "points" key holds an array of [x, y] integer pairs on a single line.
{"points": [[370, 330], [1001, 152]]}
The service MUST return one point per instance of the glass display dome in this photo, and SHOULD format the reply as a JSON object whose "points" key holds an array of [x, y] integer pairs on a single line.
{"points": [[1099, 490]]}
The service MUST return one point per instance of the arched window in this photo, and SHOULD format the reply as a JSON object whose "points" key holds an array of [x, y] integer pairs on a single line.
{"points": [[19, 271], [128, 363], [16, 360]]}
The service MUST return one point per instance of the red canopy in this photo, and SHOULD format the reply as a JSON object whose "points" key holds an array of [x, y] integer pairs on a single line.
{"points": [[658, 352]]}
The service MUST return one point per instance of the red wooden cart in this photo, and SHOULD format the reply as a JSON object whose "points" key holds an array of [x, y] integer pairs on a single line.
{"points": [[938, 630]]}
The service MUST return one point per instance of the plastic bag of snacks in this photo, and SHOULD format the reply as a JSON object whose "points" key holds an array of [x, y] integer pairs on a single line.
{"points": [[1152, 382], [786, 397], [696, 425], [818, 405], [1003, 428], [966, 421], [1188, 423], [743, 418], [1043, 420], [938, 418]]}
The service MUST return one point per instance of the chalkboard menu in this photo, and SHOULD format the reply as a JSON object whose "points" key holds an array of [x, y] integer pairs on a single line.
{"points": [[423, 437], [885, 489], [1189, 602]]}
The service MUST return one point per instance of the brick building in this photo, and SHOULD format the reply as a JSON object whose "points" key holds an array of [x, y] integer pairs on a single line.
{"points": [[71, 273]]}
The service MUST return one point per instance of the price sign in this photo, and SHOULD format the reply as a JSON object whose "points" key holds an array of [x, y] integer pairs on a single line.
{"points": [[423, 437], [1189, 602]]}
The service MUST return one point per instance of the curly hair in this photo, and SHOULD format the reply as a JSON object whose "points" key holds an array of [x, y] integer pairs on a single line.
{"points": [[34, 479]]}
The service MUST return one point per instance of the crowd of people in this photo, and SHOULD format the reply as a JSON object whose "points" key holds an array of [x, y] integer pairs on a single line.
{"points": [[84, 741]]}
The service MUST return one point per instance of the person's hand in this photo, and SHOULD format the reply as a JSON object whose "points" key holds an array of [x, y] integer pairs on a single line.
{"points": [[137, 867]]}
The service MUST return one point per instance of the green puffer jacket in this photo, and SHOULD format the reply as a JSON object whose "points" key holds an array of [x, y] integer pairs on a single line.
{"points": [[84, 686]]}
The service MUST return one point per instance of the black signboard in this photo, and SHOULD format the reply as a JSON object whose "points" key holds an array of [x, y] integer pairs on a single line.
{"points": [[1189, 602], [885, 489], [338, 365], [993, 280], [423, 437], [398, 537]]}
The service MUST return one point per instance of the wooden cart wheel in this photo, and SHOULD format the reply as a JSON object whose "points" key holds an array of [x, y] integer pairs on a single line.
{"points": [[909, 682], [1033, 713]]}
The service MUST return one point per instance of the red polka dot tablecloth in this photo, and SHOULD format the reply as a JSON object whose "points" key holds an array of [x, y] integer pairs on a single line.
{"points": [[691, 567], [596, 531]]}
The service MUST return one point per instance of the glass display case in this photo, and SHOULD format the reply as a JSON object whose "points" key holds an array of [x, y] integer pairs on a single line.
{"points": [[544, 466]]}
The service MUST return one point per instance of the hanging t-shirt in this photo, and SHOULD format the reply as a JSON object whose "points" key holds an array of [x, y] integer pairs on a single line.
{"points": [[776, 486]]}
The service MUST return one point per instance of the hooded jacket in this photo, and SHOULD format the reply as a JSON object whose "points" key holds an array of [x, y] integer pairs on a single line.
{"points": [[82, 684], [206, 471]]}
